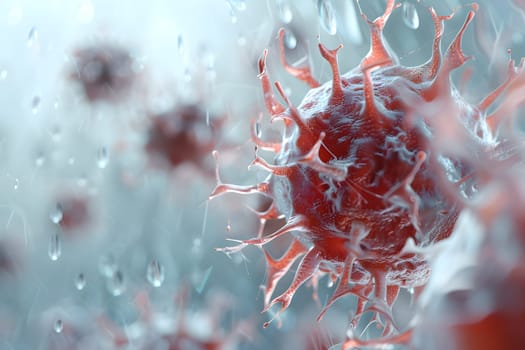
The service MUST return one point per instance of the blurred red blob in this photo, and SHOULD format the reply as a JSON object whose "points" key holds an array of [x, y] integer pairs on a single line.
{"points": [[104, 71]]}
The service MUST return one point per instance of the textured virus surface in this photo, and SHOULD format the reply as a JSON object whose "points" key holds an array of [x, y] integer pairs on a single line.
{"points": [[184, 134], [105, 72], [361, 177]]}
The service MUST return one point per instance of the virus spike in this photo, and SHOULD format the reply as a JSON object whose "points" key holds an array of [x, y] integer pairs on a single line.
{"points": [[354, 343], [297, 223], [512, 74], [404, 196], [306, 270], [267, 146], [370, 109], [312, 160], [274, 169], [454, 58], [331, 57], [378, 56], [272, 106], [304, 73], [343, 287], [278, 268]]}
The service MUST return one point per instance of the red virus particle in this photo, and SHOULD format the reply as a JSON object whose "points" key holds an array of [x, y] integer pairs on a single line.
{"points": [[358, 177], [186, 134], [104, 71]]}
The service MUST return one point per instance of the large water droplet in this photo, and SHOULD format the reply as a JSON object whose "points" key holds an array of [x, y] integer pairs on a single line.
{"points": [[56, 214], [327, 16], [59, 326], [80, 281], [289, 39], [285, 11], [55, 247], [155, 273], [410, 16], [116, 285], [32, 37], [102, 158]]}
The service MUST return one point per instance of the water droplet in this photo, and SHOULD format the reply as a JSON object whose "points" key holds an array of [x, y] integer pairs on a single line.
{"points": [[56, 134], [233, 17], [180, 44], [115, 284], [187, 75], [155, 273], [410, 16], [289, 39], [32, 37], [3, 74], [258, 131], [17, 184], [327, 16], [102, 158], [35, 104], [56, 214], [241, 40], [285, 11], [55, 247], [107, 265], [80, 281], [238, 5], [59, 326], [40, 160]]}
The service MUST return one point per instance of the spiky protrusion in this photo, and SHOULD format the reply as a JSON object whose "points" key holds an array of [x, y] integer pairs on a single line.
{"points": [[358, 178]]}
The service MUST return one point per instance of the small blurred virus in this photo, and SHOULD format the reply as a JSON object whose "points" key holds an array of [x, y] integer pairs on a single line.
{"points": [[105, 72]]}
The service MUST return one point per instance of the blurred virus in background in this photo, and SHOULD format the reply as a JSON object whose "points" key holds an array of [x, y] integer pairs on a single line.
{"points": [[110, 118]]}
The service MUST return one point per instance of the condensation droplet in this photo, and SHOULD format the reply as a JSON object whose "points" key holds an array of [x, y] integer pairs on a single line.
{"points": [[80, 281], [35, 104], [285, 11], [258, 131], [327, 16], [40, 160], [289, 39], [180, 44], [55, 247], [238, 5], [107, 265], [102, 158], [3, 74], [116, 285], [32, 37], [241, 40], [155, 273], [17, 184], [233, 17], [410, 16], [56, 214], [59, 326]]}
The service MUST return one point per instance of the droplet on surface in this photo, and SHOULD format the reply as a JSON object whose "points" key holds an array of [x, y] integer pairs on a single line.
{"points": [[35, 104], [410, 16], [180, 44], [32, 37], [3, 74], [155, 273], [17, 184], [80, 281], [55, 247], [289, 39], [327, 16], [107, 265], [116, 284], [56, 214], [102, 158], [59, 326], [40, 160], [285, 11]]}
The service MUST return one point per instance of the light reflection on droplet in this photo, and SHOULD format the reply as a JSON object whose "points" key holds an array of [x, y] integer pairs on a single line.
{"points": [[115, 284], [35, 104], [102, 158], [55, 247], [155, 273], [59, 326], [56, 214], [410, 16], [80, 281], [289, 39]]}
